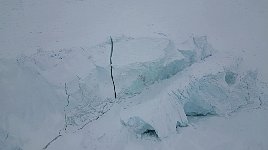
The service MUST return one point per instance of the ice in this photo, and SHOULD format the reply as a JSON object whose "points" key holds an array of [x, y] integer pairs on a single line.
{"points": [[216, 86], [138, 125], [215, 90], [132, 79], [139, 50], [160, 114], [86, 77], [198, 83], [59, 66], [132, 74], [230, 77], [203, 48], [89, 98], [64, 31]]}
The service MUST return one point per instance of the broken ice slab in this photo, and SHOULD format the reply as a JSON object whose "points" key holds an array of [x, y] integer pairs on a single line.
{"points": [[215, 86], [138, 63], [163, 62], [160, 114], [201, 89]]}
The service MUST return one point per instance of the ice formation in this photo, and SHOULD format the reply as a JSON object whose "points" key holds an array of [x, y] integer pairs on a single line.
{"points": [[199, 82], [214, 86], [90, 90], [160, 115]]}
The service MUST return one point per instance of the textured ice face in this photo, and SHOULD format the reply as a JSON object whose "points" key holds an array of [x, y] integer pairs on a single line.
{"points": [[215, 86], [207, 93], [132, 79], [213, 94]]}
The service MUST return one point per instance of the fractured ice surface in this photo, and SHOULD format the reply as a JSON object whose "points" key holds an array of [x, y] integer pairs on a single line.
{"points": [[214, 86], [86, 72], [149, 61], [203, 88], [132, 79], [199, 82]]}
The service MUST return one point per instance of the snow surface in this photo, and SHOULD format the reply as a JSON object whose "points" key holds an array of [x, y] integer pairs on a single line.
{"points": [[55, 75]]}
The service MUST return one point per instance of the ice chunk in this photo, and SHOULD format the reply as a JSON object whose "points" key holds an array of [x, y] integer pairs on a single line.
{"points": [[196, 48], [208, 88], [201, 89], [160, 114], [132, 79], [134, 76], [203, 48], [214, 86], [138, 125]]}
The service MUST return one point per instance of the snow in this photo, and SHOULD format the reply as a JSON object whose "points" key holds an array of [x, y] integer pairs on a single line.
{"points": [[30, 105], [144, 46], [55, 74], [159, 114]]}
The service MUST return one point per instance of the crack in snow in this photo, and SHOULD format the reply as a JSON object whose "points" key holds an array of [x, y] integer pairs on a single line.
{"points": [[68, 102], [65, 118], [111, 55], [52, 141]]}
